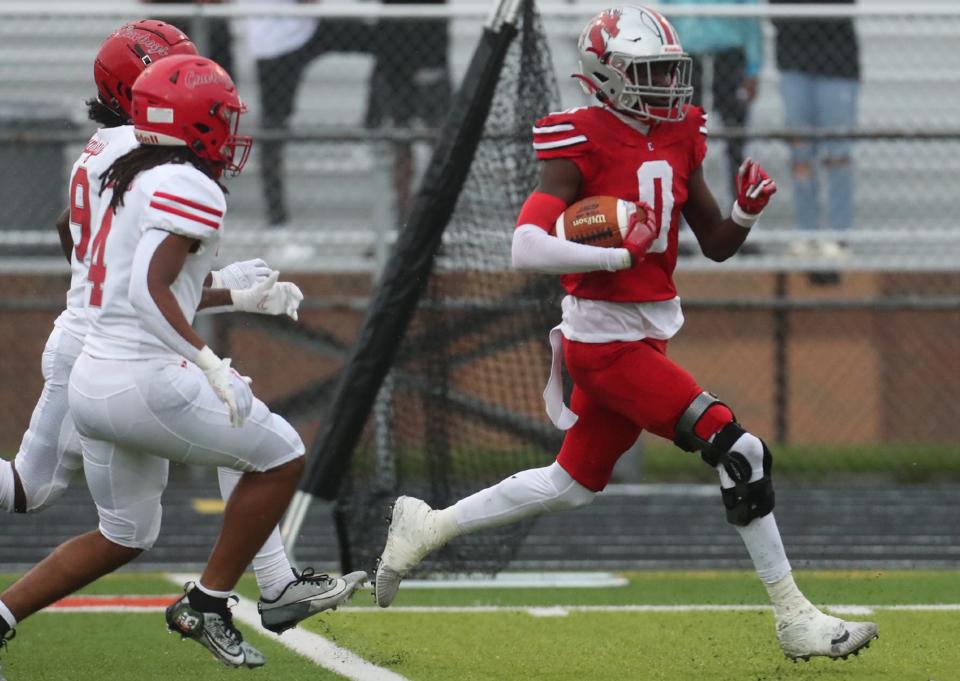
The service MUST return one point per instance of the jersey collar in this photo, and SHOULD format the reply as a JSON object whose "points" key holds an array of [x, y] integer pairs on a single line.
{"points": [[639, 126]]}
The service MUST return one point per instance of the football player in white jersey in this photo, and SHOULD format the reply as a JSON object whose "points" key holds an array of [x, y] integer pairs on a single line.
{"points": [[146, 389], [50, 453]]}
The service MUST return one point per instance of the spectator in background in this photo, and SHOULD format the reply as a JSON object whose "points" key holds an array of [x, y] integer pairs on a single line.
{"points": [[410, 80], [733, 48], [283, 48], [819, 62], [212, 35]]}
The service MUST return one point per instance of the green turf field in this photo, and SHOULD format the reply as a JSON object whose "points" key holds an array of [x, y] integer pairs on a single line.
{"points": [[527, 637]]}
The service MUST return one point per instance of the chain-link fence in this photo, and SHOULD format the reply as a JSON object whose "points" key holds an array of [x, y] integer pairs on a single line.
{"points": [[836, 327]]}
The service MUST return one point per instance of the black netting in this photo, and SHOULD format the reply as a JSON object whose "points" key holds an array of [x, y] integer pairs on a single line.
{"points": [[461, 408]]}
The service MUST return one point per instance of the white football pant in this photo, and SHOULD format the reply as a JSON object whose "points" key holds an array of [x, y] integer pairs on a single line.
{"points": [[49, 454], [135, 416]]}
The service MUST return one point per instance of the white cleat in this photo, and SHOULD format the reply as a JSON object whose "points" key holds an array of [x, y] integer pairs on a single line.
{"points": [[811, 633], [411, 536]]}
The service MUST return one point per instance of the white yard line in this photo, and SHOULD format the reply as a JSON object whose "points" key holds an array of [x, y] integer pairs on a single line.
{"points": [[519, 580], [564, 610], [248, 613], [308, 644]]}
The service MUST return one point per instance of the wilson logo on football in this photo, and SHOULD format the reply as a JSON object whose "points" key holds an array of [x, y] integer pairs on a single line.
{"points": [[589, 220]]}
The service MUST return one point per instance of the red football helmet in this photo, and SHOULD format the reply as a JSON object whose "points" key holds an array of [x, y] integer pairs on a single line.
{"points": [[191, 101], [127, 52]]}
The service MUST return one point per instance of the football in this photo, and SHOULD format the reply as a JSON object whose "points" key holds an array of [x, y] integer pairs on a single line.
{"points": [[596, 221]]}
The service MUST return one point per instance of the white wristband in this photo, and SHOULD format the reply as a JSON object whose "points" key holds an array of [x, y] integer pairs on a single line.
{"points": [[216, 280], [620, 259], [743, 218], [206, 359]]}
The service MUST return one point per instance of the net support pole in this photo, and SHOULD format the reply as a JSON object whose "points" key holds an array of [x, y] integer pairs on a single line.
{"points": [[408, 269]]}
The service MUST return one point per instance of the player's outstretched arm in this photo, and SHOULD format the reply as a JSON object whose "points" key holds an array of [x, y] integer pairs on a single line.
{"points": [[241, 274], [63, 229], [720, 237], [249, 286]]}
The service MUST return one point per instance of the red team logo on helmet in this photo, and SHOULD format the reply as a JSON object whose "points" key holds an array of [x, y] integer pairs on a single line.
{"points": [[604, 27], [191, 101]]}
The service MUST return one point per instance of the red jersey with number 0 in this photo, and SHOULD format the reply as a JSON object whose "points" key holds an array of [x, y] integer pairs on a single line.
{"points": [[615, 159]]}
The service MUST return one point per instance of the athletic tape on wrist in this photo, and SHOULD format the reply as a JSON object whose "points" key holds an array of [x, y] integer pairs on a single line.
{"points": [[620, 259], [206, 358], [743, 218]]}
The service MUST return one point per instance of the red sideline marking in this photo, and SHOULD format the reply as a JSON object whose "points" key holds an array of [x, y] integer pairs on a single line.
{"points": [[115, 602]]}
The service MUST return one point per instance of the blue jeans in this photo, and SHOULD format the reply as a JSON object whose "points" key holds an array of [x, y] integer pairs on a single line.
{"points": [[814, 101]]}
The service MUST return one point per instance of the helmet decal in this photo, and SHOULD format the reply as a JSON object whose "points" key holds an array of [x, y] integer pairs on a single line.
{"points": [[145, 41], [659, 25], [604, 27]]}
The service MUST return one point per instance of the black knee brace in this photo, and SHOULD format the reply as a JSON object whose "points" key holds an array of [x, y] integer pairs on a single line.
{"points": [[746, 500]]}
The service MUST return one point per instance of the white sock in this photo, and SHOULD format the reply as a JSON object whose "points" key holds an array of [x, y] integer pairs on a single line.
{"points": [[7, 490], [786, 598], [270, 565], [211, 592], [7, 615], [524, 495], [444, 525], [762, 538]]}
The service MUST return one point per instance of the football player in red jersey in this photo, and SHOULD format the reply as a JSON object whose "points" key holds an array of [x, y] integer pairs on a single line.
{"points": [[640, 140]]}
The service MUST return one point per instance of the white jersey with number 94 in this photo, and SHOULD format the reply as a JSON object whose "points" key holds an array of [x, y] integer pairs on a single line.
{"points": [[105, 147], [174, 198]]}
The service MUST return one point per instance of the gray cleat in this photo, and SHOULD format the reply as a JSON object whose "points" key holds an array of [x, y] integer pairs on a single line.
{"points": [[305, 595], [214, 632]]}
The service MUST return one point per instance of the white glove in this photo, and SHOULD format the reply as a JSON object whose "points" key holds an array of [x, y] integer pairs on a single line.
{"points": [[269, 297], [243, 274], [232, 388]]}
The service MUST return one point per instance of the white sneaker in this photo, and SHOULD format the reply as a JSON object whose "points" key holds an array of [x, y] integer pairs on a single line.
{"points": [[411, 536], [811, 633]]}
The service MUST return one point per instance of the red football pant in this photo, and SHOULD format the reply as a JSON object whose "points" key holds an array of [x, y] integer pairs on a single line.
{"points": [[620, 390]]}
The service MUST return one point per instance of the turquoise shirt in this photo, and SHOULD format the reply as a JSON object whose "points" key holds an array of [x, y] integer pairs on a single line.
{"points": [[702, 35]]}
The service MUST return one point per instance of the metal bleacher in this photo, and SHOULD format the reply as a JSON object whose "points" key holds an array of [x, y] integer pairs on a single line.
{"points": [[911, 82]]}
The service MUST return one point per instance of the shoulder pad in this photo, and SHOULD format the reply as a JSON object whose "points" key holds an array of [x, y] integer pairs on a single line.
{"points": [[563, 133], [697, 119], [185, 201]]}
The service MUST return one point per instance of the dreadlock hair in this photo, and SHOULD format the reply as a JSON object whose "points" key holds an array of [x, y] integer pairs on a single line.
{"points": [[125, 169], [100, 113]]}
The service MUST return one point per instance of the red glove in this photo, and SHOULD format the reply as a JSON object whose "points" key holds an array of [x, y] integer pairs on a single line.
{"points": [[754, 188], [641, 232]]}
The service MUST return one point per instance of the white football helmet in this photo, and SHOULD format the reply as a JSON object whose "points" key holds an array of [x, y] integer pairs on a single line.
{"points": [[632, 60]]}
